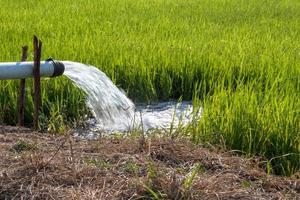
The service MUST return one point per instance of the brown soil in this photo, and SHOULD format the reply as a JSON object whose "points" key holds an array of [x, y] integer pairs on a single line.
{"points": [[41, 166]]}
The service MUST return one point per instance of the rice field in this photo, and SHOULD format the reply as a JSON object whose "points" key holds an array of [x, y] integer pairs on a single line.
{"points": [[238, 59]]}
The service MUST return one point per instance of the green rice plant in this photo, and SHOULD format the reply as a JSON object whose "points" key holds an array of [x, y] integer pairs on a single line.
{"points": [[188, 181], [256, 124]]}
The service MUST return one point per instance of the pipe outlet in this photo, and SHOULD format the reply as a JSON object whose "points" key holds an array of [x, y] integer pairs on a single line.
{"points": [[20, 70]]}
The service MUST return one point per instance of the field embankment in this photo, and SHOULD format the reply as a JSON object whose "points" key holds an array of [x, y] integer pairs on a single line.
{"points": [[238, 59], [35, 165]]}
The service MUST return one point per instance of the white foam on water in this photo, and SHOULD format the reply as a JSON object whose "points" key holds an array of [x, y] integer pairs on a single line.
{"points": [[164, 115], [113, 111]]}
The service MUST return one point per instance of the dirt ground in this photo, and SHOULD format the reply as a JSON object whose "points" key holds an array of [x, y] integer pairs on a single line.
{"points": [[41, 166]]}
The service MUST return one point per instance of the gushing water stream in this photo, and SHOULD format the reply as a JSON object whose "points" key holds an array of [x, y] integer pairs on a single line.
{"points": [[113, 111]]}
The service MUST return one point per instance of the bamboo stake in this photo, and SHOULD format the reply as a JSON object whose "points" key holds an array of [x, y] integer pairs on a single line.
{"points": [[21, 104], [37, 44]]}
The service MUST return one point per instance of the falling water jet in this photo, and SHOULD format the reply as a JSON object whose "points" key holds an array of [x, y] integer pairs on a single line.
{"points": [[111, 108]]}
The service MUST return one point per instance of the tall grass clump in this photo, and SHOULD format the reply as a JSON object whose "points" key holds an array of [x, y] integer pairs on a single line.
{"points": [[66, 105], [254, 124], [240, 59]]}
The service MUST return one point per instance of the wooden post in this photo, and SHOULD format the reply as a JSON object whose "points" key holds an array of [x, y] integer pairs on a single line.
{"points": [[37, 45], [21, 104]]}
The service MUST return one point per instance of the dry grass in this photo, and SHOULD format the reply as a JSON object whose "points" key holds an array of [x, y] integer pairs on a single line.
{"points": [[40, 166]]}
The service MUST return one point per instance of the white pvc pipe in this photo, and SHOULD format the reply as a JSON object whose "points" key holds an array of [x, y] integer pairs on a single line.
{"points": [[20, 70]]}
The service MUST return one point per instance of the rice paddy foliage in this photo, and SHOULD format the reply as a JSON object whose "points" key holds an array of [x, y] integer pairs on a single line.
{"points": [[239, 58]]}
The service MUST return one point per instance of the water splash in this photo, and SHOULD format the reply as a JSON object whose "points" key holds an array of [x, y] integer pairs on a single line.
{"points": [[113, 111]]}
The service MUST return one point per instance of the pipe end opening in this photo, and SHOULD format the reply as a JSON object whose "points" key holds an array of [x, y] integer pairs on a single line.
{"points": [[59, 68]]}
